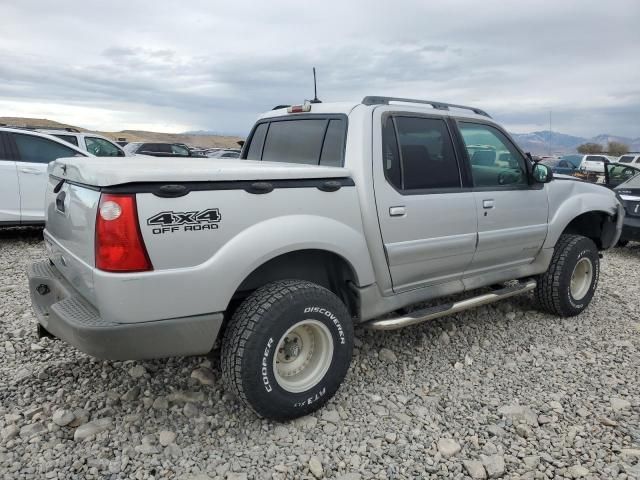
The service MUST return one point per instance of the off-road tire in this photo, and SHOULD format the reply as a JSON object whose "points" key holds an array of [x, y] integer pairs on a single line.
{"points": [[553, 291], [251, 342]]}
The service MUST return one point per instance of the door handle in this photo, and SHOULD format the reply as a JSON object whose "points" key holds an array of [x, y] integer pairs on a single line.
{"points": [[32, 171], [487, 203], [398, 211]]}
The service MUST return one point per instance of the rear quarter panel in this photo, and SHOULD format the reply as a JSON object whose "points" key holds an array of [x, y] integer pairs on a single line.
{"points": [[197, 271]]}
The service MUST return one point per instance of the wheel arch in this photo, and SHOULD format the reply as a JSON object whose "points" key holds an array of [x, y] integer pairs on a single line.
{"points": [[597, 225]]}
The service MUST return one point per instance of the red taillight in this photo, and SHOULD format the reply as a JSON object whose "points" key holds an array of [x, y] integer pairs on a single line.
{"points": [[119, 243]]}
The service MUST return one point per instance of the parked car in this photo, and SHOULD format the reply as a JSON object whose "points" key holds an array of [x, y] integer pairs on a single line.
{"points": [[629, 192], [630, 158], [24, 155], [316, 229], [618, 173], [566, 165], [160, 149], [224, 153], [595, 163], [93, 143]]}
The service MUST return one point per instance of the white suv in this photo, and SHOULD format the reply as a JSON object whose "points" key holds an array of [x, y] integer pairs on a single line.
{"points": [[91, 142], [630, 158], [24, 156]]}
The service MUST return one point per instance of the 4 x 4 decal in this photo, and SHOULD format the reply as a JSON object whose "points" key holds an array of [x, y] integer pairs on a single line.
{"points": [[168, 222]]}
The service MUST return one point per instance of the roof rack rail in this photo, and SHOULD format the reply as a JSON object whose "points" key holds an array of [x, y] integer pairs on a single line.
{"points": [[39, 127], [375, 100], [278, 107]]}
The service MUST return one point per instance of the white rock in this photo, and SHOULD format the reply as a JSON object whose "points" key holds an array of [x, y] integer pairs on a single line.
{"points": [[448, 447], [204, 375], [475, 469], [315, 466], [236, 476], [519, 413], [190, 410], [137, 371], [166, 437], [444, 338], [90, 429], [160, 403], [9, 432], [331, 416], [387, 355], [131, 395], [577, 471], [494, 465], [531, 462], [63, 417], [619, 404], [33, 430]]}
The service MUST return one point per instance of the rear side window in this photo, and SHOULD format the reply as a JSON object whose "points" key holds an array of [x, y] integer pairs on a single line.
{"points": [[311, 141], [420, 155], [156, 147], [68, 138], [625, 159], [179, 150], [40, 150], [594, 158]]}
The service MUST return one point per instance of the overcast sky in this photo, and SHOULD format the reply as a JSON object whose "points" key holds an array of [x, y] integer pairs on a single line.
{"points": [[215, 65]]}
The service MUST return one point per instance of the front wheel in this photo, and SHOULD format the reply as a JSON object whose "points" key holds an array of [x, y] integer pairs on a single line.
{"points": [[287, 349], [568, 285]]}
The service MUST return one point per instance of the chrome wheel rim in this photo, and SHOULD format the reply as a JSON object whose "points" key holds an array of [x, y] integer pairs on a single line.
{"points": [[303, 356], [581, 278]]}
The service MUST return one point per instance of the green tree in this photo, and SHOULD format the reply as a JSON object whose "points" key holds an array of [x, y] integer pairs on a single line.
{"points": [[617, 148], [589, 147]]}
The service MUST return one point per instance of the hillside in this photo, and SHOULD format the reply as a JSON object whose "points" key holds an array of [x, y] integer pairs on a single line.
{"points": [[196, 140], [545, 142]]}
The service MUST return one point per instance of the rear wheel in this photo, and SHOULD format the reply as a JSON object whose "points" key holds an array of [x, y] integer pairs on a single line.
{"points": [[568, 285], [287, 349]]}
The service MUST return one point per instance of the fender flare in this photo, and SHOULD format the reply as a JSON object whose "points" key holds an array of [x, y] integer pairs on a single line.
{"points": [[303, 232], [572, 208]]}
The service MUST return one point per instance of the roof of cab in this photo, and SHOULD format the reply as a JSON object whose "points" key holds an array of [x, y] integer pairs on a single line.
{"points": [[406, 104]]}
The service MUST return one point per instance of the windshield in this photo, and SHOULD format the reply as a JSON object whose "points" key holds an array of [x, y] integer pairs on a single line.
{"points": [[131, 147], [621, 173], [574, 160]]}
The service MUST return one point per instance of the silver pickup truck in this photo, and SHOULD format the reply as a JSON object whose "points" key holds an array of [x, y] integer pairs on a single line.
{"points": [[337, 214]]}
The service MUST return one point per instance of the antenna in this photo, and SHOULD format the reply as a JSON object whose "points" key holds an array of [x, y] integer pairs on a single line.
{"points": [[315, 89]]}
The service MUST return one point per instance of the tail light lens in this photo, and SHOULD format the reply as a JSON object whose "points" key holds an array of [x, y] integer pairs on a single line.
{"points": [[119, 243]]}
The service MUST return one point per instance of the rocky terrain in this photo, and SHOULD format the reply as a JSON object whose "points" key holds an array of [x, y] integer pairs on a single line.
{"points": [[500, 392]]}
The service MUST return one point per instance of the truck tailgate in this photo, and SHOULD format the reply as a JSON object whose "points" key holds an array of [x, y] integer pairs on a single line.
{"points": [[69, 234]]}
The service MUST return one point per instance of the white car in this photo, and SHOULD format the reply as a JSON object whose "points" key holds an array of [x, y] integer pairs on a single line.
{"points": [[630, 158], [24, 156], [88, 141], [595, 163]]}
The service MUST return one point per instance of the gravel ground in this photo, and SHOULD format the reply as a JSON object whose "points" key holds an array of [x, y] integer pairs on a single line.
{"points": [[501, 391]]}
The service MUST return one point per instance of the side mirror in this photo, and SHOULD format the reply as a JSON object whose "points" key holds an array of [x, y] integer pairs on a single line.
{"points": [[542, 173], [121, 153]]}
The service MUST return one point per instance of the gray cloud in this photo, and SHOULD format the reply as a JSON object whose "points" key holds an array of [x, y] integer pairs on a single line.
{"points": [[216, 66]]}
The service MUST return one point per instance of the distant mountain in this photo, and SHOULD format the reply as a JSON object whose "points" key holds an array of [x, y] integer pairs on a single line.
{"points": [[545, 142]]}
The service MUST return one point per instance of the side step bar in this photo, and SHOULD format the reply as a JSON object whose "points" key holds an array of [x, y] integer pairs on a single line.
{"points": [[438, 311]]}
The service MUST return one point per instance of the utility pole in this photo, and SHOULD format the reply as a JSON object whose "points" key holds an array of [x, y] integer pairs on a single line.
{"points": [[550, 132]]}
